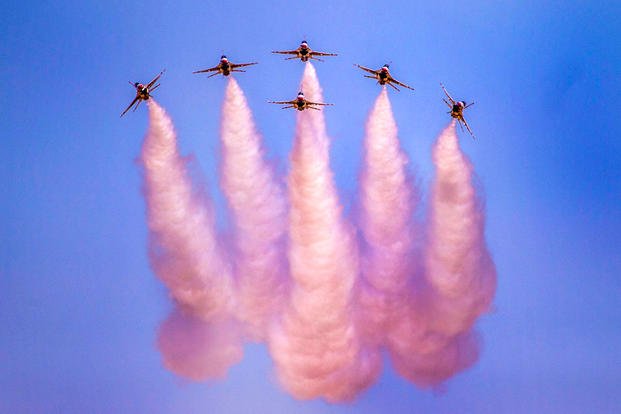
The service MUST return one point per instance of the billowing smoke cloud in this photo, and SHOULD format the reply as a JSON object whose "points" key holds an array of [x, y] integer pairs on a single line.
{"points": [[435, 341], [386, 223], [199, 339], [197, 349], [257, 204], [316, 347], [459, 266], [184, 249], [325, 299]]}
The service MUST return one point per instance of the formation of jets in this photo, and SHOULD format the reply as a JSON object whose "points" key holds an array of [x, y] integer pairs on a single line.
{"points": [[304, 53]]}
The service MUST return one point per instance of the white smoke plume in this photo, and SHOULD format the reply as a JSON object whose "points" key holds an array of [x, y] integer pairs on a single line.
{"points": [[316, 348], [257, 204]]}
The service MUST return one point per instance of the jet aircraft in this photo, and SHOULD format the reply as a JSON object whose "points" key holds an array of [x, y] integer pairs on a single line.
{"points": [[143, 92], [300, 103], [457, 110], [304, 53], [383, 76], [225, 67]]}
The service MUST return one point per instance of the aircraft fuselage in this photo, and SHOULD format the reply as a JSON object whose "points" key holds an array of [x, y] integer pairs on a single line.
{"points": [[304, 54], [382, 76], [225, 67], [456, 111], [142, 92]]}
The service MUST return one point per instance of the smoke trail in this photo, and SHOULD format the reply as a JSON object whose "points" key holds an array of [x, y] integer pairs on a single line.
{"points": [[315, 346], [427, 358], [436, 340], [183, 246], [197, 349], [459, 267], [328, 327], [258, 207], [386, 214]]}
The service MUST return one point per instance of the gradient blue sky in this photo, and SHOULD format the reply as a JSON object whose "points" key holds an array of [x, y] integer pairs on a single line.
{"points": [[79, 305]]}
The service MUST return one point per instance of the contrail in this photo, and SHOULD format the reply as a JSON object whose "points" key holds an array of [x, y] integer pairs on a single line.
{"points": [[183, 245], [386, 220], [258, 207], [435, 341], [315, 347]]}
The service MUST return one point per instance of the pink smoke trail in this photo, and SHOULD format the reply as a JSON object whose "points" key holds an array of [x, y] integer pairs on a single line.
{"points": [[197, 349], [386, 221], [459, 267], [184, 250], [259, 213], [315, 346], [427, 358], [436, 340]]}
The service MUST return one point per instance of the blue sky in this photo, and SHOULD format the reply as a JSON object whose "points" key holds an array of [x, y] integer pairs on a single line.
{"points": [[80, 306]]}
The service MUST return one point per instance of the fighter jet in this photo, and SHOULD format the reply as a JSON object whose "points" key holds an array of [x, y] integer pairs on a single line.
{"points": [[457, 110], [300, 103], [383, 76], [143, 92], [303, 53], [225, 67]]}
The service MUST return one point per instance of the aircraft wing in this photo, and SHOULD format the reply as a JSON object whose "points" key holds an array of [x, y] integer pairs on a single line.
{"points": [[137, 105], [239, 65], [467, 127], [208, 70], [447, 94], [368, 70], [130, 105], [155, 79], [324, 54], [391, 83], [318, 103], [399, 83], [283, 102], [286, 52]]}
